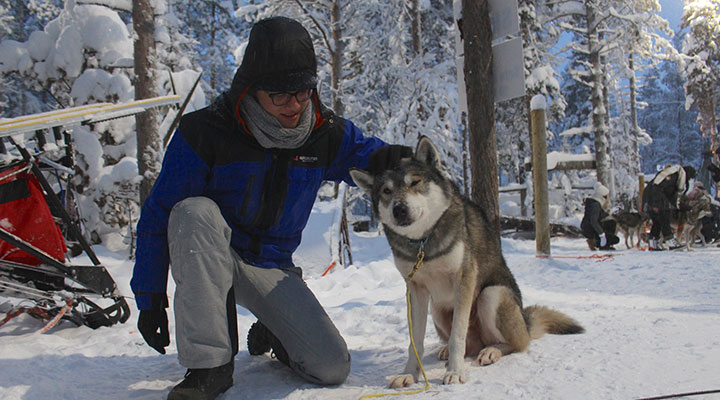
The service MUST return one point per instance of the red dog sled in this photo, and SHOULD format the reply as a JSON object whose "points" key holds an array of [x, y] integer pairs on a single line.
{"points": [[35, 224], [33, 267]]}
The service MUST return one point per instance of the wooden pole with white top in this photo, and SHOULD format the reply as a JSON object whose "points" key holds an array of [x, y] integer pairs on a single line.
{"points": [[540, 175]]}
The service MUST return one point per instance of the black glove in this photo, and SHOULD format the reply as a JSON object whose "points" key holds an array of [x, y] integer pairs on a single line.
{"points": [[153, 326], [387, 157]]}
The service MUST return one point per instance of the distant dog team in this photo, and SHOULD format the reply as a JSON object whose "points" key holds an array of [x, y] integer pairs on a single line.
{"points": [[685, 222], [462, 276]]}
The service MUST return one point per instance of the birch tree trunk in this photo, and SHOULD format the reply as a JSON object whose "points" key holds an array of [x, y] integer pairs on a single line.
{"points": [[602, 159], [336, 53], [707, 117], [416, 27], [633, 119], [416, 34]]}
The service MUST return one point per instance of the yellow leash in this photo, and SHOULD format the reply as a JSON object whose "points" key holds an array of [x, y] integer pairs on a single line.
{"points": [[420, 257]]}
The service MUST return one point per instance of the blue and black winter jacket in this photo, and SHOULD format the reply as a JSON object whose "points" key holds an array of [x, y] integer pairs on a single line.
{"points": [[265, 195]]}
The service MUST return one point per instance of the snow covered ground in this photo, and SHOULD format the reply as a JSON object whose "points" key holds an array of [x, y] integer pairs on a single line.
{"points": [[652, 321]]}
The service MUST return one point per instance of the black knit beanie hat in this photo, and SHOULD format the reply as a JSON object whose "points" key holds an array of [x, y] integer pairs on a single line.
{"points": [[279, 57]]}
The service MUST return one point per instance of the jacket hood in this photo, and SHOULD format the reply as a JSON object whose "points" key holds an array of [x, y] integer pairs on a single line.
{"points": [[600, 191], [601, 195], [279, 57], [672, 169]]}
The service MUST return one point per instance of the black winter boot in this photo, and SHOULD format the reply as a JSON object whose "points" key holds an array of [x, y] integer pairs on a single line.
{"points": [[260, 340], [203, 383]]}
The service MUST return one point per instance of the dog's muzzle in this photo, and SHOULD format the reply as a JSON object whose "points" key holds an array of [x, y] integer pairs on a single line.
{"points": [[401, 213]]}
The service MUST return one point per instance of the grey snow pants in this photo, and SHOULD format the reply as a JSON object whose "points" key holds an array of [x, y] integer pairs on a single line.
{"points": [[210, 278]]}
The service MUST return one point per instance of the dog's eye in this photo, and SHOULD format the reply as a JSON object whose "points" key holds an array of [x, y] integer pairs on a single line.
{"points": [[415, 182], [387, 190]]}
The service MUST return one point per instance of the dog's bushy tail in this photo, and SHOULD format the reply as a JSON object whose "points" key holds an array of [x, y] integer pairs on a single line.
{"points": [[542, 320]]}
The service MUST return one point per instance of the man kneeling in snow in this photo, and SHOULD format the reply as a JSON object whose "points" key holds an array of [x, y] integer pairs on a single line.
{"points": [[236, 189]]}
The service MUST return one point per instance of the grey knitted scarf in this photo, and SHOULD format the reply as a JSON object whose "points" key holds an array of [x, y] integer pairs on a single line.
{"points": [[268, 131]]}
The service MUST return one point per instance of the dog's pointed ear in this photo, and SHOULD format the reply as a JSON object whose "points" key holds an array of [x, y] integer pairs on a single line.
{"points": [[427, 152], [363, 179]]}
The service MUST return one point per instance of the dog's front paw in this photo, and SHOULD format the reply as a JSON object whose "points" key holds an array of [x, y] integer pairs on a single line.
{"points": [[401, 381], [444, 353], [453, 377], [489, 355]]}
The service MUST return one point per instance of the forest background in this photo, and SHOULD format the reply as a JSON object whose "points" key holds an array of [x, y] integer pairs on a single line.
{"points": [[621, 84]]}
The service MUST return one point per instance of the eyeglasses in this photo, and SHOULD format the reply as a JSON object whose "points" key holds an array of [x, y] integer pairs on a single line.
{"points": [[282, 98]]}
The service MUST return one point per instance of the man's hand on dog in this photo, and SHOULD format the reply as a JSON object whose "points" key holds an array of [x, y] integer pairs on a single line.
{"points": [[387, 157]]}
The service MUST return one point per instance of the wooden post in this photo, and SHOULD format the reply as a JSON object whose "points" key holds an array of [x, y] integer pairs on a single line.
{"points": [[540, 175], [641, 190]]}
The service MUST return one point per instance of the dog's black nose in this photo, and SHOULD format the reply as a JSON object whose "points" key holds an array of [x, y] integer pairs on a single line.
{"points": [[400, 213]]}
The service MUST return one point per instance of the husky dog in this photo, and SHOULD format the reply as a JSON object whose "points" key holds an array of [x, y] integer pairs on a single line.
{"points": [[475, 302], [687, 222], [629, 223]]}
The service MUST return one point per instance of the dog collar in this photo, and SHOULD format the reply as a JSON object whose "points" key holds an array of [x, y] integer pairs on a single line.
{"points": [[419, 242], [421, 252], [422, 242]]}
